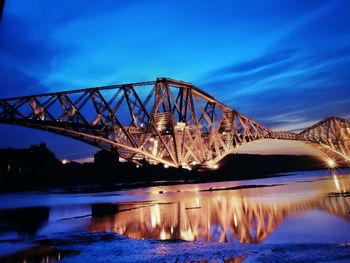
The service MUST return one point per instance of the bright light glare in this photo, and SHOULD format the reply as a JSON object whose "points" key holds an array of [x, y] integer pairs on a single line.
{"points": [[331, 163], [64, 161]]}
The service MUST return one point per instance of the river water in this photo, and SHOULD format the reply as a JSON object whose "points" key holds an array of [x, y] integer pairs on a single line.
{"points": [[305, 208]]}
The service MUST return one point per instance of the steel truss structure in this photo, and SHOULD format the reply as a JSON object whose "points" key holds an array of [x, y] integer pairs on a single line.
{"points": [[164, 121], [331, 136]]}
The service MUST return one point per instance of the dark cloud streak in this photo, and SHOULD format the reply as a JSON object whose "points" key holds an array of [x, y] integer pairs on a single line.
{"points": [[297, 88], [258, 63]]}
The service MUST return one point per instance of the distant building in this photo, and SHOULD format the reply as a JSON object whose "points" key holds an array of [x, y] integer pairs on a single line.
{"points": [[36, 159]]}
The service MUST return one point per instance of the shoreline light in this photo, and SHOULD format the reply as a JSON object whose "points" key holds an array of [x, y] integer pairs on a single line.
{"points": [[331, 163]]}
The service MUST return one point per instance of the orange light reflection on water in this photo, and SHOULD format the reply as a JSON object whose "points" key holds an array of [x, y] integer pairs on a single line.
{"points": [[244, 216]]}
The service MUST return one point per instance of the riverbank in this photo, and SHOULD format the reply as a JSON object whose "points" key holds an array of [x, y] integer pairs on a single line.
{"points": [[89, 177], [298, 217]]}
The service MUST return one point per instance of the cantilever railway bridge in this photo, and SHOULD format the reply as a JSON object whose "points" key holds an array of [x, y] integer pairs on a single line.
{"points": [[163, 121]]}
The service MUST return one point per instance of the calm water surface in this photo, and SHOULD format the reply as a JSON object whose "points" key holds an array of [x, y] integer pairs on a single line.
{"points": [[305, 207]]}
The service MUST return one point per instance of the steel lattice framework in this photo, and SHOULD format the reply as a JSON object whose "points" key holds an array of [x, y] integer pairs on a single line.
{"points": [[163, 121], [331, 135]]}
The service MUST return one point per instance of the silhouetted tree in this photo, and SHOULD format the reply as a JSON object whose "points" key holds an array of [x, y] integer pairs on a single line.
{"points": [[106, 160]]}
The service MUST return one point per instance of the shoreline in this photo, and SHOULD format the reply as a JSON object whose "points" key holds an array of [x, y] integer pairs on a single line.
{"points": [[98, 219], [119, 186]]}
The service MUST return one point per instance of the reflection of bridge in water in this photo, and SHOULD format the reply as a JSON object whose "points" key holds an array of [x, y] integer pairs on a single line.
{"points": [[221, 216], [163, 121]]}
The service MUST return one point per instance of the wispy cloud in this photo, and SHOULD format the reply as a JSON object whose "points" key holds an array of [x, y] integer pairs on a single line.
{"points": [[263, 61]]}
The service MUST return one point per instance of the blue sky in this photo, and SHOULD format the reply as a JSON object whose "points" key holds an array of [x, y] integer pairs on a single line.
{"points": [[284, 63]]}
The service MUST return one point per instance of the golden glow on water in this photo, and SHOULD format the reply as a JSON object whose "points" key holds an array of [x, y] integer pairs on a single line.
{"points": [[336, 182], [245, 216], [155, 215]]}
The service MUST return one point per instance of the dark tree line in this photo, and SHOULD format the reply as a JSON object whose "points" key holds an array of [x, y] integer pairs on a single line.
{"points": [[37, 168]]}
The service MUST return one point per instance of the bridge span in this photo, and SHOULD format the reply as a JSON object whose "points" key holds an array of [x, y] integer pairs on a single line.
{"points": [[163, 121]]}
